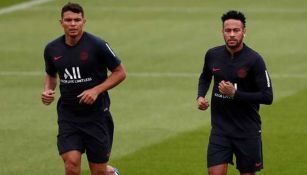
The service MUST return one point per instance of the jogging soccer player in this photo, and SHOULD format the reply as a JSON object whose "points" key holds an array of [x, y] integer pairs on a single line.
{"points": [[241, 84], [81, 61]]}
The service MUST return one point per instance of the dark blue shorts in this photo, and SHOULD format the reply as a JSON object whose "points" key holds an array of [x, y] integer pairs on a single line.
{"points": [[248, 152], [93, 137]]}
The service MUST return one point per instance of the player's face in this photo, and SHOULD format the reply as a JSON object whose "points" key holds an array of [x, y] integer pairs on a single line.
{"points": [[72, 23], [233, 32]]}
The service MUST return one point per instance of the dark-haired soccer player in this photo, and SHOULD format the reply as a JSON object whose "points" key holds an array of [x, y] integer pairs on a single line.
{"points": [[241, 84], [81, 61]]}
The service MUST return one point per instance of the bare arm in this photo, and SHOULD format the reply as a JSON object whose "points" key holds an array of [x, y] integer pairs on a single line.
{"points": [[89, 96], [49, 86]]}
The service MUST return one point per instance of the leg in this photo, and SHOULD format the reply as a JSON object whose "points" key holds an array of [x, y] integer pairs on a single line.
{"points": [[248, 155], [218, 169], [101, 169], [70, 147], [219, 155], [98, 141], [72, 162]]}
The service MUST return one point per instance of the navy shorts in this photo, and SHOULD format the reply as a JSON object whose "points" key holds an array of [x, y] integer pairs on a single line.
{"points": [[248, 152], [93, 137]]}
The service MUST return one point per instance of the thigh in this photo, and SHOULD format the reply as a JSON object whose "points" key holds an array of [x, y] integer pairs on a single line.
{"points": [[69, 138], [98, 140], [249, 154], [219, 151], [218, 169]]}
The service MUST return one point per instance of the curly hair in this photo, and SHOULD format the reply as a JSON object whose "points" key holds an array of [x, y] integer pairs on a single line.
{"points": [[233, 14]]}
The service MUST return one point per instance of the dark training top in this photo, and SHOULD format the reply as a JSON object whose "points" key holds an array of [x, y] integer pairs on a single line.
{"points": [[80, 67], [236, 116]]}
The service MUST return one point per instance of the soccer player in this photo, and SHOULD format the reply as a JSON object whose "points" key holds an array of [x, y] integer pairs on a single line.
{"points": [[81, 61], [241, 83]]}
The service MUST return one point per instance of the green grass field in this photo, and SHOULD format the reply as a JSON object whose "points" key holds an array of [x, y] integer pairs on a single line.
{"points": [[7, 3], [162, 44]]}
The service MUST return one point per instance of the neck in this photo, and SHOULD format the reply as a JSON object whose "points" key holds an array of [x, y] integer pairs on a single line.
{"points": [[71, 41], [234, 50]]}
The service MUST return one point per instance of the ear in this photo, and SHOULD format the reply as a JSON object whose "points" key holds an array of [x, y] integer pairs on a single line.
{"points": [[244, 32], [61, 22]]}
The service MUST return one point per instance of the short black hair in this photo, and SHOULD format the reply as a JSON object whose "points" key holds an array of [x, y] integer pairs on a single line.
{"points": [[74, 7], [233, 14]]}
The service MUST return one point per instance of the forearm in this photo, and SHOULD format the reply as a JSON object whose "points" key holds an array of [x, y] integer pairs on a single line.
{"points": [[264, 94], [263, 97], [50, 82], [117, 76], [203, 85], [47, 95]]}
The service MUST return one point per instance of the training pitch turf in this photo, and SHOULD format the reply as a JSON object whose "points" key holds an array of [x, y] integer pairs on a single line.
{"points": [[162, 44]]}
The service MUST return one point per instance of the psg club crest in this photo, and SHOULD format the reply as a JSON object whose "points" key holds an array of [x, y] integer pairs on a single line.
{"points": [[83, 56], [242, 73]]}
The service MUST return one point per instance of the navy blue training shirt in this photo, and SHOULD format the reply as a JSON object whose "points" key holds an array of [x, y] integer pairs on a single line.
{"points": [[236, 116], [80, 67]]}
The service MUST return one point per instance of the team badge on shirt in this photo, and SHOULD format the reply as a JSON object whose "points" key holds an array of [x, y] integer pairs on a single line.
{"points": [[83, 56], [242, 72]]}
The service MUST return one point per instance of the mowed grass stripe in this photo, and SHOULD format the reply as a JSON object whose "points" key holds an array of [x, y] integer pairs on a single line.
{"points": [[23, 5], [149, 74], [183, 154], [7, 3], [285, 133], [186, 9], [284, 139], [146, 110]]}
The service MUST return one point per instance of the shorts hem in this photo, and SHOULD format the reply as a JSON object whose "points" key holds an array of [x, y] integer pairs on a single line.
{"points": [[249, 171], [102, 161], [220, 163], [72, 149]]}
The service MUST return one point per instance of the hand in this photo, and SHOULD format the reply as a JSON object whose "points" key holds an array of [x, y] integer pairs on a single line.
{"points": [[88, 96], [202, 103], [227, 88], [48, 97]]}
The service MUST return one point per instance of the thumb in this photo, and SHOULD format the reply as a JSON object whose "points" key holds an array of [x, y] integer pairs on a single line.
{"points": [[80, 95], [51, 92]]}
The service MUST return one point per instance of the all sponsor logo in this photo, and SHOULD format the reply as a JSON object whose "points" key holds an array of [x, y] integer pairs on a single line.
{"points": [[73, 76]]}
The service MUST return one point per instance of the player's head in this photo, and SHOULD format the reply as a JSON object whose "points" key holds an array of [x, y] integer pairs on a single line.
{"points": [[73, 7], [72, 19], [233, 14], [233, 29]]}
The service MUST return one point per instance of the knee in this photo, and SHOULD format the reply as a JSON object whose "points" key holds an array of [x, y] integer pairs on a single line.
{"points": [[211, 172], [217, 171], [72, 167]]}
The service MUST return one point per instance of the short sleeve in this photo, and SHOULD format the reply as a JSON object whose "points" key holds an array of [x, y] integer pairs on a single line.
{"points": [[49, 66], [109, 57]]}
